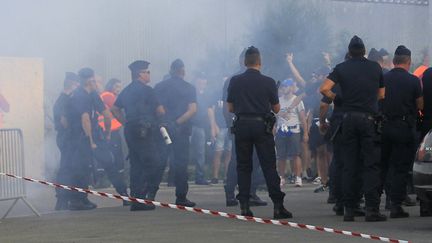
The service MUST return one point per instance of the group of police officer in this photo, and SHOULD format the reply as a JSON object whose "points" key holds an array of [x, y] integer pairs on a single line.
{"points": [[365, 144]]}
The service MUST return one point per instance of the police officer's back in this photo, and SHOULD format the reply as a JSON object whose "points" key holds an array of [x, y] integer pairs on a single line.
{"points": [[361, 82], [179, 100], [252, 97], [402, 101], [426, 125]]}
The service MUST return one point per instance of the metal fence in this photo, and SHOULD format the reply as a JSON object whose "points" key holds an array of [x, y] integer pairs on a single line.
{"points": [[12, 162]]}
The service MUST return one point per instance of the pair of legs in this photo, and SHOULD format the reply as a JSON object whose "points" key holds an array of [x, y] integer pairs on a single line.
{"points": [[223, 148]]}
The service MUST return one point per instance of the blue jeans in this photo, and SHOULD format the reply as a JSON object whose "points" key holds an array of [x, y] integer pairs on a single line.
{"points": [[198, 144]]}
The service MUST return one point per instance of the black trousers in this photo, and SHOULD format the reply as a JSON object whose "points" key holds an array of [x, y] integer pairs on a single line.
{"points": [[398, 151], [107, 156], [249, 135], [178, 152], [63, 173], [231, 180], [143, 160], [361, 157], [79, 164]]}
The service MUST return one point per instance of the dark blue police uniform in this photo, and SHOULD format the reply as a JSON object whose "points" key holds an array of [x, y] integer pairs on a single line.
{"points": [[80, 153], [426, 125], [359, 80], [175, 95], [141, 129], [252, 95], [399, 130]]}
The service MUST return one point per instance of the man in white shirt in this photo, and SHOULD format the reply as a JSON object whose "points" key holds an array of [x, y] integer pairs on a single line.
{"points": [[288, 131]]}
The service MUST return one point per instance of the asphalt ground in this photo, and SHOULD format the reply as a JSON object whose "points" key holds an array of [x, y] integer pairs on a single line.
{"points": [[112, 222]]}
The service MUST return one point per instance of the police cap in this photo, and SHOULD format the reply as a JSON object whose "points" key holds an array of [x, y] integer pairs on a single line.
{"points": [[402, 51], [356, 43], [138, 65]]}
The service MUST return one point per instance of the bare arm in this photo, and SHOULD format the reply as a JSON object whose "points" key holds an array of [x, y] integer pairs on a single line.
{"points": [[303, 122], [276, 108], [294, 70], [118, 114], [420, 103], [213, 125], [324, 107], [326, 89], [381, 93], [64, 122], [230, 107], [192, 108], [86, 125], [160, 110]]}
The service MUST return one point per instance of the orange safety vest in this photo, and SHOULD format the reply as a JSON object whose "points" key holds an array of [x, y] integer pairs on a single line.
{"points": [[109, 98], [420, 70]]}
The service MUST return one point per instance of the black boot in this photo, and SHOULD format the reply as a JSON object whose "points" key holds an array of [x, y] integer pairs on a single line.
{"points": [[183, 201], [331, 198], [245, 209], [280, 212], [349, 214], [254, 200], [398, 212], [231, 201], [61, 204], [141, 207], [79, 204], [374, 215]]}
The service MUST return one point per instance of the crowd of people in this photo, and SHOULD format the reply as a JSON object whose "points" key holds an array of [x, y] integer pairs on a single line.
{"points": [[317, 129]]}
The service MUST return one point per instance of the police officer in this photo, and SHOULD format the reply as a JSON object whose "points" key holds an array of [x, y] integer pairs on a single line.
{"points": [[141, 108], [402, 101], [82, 118], [61, 126], [231, 180], [179, 100], [361, 83], [252, 97]]}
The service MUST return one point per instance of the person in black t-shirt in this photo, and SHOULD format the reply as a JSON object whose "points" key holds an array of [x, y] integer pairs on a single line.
{"points": [[400, 107], [61, 126], [361, 82], [426, 125], [252, 97]]}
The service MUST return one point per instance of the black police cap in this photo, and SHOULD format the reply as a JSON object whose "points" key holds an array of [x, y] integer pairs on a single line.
{"points": [[70, 76], [402, 51], [176, 65], [138, 65], [86, 73], [251, 51], [356, 43]]}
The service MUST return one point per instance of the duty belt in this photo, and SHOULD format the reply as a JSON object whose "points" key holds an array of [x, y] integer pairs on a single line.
{"points": [[358, 114], [250, 117]]}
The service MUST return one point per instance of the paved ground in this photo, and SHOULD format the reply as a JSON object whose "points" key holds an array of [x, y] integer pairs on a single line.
{"points": [[113, 223]]}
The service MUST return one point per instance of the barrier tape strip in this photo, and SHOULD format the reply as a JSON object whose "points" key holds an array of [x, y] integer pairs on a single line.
{"points": [[211, 212]]}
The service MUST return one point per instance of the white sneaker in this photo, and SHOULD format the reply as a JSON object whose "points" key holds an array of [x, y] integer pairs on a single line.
{"points": [[298, 181], [317, 181], [282, 181]]}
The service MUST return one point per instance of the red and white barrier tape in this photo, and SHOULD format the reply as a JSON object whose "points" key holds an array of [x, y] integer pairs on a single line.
{"points": [[211, 212]]}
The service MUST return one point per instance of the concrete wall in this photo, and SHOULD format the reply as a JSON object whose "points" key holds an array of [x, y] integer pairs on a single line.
{"points": [[22, 84]]}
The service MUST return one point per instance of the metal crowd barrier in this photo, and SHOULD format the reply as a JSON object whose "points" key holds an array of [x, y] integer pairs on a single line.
{"points": [[12, 161]]}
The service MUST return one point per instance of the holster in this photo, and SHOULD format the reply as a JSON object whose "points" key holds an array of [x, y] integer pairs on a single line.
{"points": [[269, 121]]}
